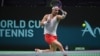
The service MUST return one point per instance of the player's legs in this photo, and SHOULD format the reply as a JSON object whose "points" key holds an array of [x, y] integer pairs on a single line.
{"points": [[59, 45], [49, 39], [52, 48], [41, 50]]}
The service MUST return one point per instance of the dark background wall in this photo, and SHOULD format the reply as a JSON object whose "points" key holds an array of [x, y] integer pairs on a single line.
{"points": [[35, 3]]}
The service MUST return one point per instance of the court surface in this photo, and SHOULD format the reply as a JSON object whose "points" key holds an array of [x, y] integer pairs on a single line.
{"points": [[57, 53]]}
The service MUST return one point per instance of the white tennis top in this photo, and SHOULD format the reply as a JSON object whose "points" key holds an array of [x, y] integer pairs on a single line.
{"points": [[51, 26]]}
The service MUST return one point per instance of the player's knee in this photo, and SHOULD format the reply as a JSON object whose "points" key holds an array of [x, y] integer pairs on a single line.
{"points": [[58, 44]]}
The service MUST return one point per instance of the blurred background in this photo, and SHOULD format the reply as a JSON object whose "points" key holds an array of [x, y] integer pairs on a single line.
{"points": [[16, 12]]}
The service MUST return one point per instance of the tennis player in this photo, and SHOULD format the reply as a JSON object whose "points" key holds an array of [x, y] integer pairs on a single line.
{"points": [[50, 23]]}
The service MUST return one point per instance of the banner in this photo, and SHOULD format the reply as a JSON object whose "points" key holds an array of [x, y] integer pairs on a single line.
{"points": [[20, 28]]}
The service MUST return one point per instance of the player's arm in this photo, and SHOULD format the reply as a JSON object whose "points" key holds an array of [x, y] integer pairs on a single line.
{"points": [[64, 13], [44, 20]]}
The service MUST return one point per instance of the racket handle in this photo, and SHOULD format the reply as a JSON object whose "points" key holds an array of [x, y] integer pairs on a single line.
{"points": [[62, 10]]}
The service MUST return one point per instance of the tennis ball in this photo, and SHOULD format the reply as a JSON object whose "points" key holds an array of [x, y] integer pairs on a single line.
{"points": [[83, 25]]}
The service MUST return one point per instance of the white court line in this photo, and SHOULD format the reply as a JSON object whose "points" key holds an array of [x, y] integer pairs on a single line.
{"points": [[57, 52]]}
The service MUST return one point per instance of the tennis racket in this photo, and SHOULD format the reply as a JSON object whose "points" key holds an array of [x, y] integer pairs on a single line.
{"points": [[56, 3]]}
